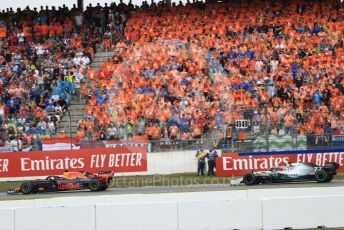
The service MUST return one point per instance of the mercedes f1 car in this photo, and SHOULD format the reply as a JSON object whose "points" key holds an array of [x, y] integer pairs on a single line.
{"points": [[293, 172], [69, 181]]}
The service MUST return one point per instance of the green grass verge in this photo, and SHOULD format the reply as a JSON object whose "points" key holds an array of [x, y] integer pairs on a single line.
{"points": [[184, 179]]}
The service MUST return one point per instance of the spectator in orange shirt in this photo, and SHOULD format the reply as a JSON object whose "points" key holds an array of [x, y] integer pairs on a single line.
{"points": [[289, 123], [63, 134], [319, 134], [80, 133]]}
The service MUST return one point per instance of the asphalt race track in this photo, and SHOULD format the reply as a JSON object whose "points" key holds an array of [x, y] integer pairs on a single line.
{"points": [[168, 189]]}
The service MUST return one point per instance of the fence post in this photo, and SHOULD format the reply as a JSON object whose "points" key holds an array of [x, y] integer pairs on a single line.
{"points": [[70, 130], [267, 127]]}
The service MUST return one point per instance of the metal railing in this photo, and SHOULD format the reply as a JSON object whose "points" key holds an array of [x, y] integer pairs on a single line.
{"points": [[250, 144], [258, 143]]}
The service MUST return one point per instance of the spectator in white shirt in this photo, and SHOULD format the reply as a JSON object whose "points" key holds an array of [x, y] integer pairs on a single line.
{"points": [[79, 19], [16, 143], [274, 65], [259, 66]]}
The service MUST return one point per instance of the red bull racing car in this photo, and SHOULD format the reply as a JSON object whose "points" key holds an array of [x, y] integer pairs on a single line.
{"points": [[69, 181]]}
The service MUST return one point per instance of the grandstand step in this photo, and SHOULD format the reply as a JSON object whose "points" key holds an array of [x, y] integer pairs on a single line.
{"points": [[104, 54], [74, 128], [76, 108], [81, 102], [66, 123], [77, 112], [99, 56], [77, 105], [74, 119], [67, 126], [96, 65], [100, 60]]}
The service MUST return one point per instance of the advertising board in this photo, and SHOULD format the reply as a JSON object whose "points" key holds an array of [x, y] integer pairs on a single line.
{"points": [[43, 163], [237, 164]]}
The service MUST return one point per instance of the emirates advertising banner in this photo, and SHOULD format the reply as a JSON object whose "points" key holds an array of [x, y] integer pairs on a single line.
{"points": [[238, 164], [44, 163]]}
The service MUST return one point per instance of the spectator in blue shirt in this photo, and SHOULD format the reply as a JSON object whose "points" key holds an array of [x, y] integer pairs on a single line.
{"points": [[65, 96], [317, 98], [100, 99], [316, 29], [212, 155], [35, 93]]}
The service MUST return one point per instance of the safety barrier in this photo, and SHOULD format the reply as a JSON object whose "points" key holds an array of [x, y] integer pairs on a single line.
{"points": [[303, 212], [228, 164], [230, 210], [157, 163]]}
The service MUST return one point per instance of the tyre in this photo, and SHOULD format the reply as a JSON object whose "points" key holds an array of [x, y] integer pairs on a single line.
{"points": [[330, 177], [104, 187], [250, 179], [26, 188], [322, 176], [94, 185]]}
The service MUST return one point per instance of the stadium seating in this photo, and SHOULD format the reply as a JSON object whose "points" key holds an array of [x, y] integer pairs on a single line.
{"points": [[179, 72], [44, 58], [187, 71]]}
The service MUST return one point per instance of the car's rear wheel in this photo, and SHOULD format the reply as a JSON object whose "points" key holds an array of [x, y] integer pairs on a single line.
{"points": [[94, 185], [104, 187], [250, 179], [26, 188], [330, 177], [322, 176]]}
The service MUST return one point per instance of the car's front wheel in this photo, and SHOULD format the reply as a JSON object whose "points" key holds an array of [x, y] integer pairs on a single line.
{"points": [[250, 179], [26, 188], [322, 176]]}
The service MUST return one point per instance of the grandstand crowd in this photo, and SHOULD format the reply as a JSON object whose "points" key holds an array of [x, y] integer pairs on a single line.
{"points": [[44, 57], [179, 72]]}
